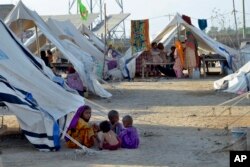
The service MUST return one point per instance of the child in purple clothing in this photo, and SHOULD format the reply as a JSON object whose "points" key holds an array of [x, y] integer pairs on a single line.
{"points": [[129, 136], [116, 126]]}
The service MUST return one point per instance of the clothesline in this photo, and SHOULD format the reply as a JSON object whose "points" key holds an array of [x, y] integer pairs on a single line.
{"points": [[242, 12], [209, 18]]}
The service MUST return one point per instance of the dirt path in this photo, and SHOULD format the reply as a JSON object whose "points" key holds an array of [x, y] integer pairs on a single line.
{"points": [[178, 122]]}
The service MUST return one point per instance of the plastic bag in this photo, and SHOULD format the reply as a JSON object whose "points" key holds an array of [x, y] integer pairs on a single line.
{"points": [[196, 73]]}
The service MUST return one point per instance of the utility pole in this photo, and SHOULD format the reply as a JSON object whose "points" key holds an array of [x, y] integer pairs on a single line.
{"points": [[91, 11], [105, 41], [71, 3], [236, 27], [244, 20]]}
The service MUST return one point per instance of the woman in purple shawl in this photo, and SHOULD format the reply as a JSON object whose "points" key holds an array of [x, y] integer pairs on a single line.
{"points": [[129, 136], [80, 129]]}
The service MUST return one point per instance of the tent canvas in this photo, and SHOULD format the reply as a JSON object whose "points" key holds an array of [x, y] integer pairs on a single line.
{"points": [[238, 82], [28, 19], [112, 22], [206, 44], [30, 93], [66, 28], [81, 26], [245, 53], [92, 37], [74, 18]]}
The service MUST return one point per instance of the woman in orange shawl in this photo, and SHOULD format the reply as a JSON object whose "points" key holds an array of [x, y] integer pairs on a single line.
{"points": [[80, 129]]}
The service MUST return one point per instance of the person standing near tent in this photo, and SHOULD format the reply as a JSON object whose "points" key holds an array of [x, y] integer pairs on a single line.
{"points": [[44, 58], [50, 56], [111, 59], [80, 129], [191, 53], [178, 67]]}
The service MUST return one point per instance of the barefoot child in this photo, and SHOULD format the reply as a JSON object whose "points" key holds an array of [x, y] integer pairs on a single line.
{"points": [[116, 126], [107, 138], [129, 136]]}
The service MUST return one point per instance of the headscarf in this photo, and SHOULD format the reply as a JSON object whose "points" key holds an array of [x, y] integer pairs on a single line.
{"points": [[76, 117]]}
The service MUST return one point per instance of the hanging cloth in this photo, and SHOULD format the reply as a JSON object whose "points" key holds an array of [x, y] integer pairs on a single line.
{"points": [[187, 19], [202, 24], [140, 35]]}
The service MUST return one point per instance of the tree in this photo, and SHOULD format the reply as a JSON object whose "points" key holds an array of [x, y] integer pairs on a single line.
{"points": [[213, 32]]}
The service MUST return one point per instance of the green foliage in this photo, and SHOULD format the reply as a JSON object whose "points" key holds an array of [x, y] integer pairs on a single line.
{"points": [[214, 31]]}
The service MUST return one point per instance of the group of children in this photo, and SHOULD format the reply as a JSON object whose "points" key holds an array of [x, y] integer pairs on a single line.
{"points": [[109, 134]]}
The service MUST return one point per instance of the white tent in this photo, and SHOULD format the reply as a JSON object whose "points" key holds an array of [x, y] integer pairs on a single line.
{"points": [[67, 29], [206, 44], [81, 26], [22, 17], [74, 18], [92, 37], [28, 91], [245, 53], [238, 82]]}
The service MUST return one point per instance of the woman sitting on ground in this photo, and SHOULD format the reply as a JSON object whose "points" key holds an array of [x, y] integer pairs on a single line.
{"points": [[80, 129], [165, 69]]}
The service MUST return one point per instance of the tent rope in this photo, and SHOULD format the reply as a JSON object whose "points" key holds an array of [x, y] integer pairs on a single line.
{"points": [[84, 149]]}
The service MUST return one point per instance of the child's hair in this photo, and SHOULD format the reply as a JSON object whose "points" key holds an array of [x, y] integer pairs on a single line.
{"points": [[172, 48], [49, 52], [112, 114], [105, 126], [160, 46], [153, 44], [128, 119]]}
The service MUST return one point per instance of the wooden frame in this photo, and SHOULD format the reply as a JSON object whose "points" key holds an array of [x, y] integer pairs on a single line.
{"points": [[204, 60], [145, 64]]}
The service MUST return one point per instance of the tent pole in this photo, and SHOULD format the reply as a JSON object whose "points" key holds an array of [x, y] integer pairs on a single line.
{"points": [[21, 29], [37, 42], [178, 31], [244, 19], [236, 27], [105, 40]]}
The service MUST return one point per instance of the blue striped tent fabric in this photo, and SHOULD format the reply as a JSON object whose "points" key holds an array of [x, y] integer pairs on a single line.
{"points": [[82, 61], [40, 128], [27, 90]]}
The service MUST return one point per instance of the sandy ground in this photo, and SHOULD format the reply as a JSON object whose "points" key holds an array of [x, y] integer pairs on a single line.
{"points": [[178, 120]]}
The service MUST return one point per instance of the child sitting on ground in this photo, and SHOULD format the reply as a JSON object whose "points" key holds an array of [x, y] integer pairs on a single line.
{"points": [[116, 126], [129, 136], [107, 138]]}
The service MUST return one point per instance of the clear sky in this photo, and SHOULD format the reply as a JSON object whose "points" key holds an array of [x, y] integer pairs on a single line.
{"points": [[156, 10]]}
